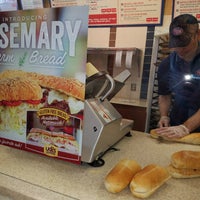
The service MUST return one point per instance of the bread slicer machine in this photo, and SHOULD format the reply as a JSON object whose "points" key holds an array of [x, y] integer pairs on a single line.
{"points": [[103, 125]]}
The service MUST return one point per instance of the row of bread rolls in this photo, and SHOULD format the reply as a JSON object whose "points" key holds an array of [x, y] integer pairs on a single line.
{"points": [[142, 181]]}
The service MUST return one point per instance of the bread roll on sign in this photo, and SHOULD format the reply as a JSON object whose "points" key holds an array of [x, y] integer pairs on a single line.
{"points": [[120, 175]]}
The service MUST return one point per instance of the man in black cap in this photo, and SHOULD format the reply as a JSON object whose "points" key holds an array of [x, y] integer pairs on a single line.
{"points": [[179, 80]]}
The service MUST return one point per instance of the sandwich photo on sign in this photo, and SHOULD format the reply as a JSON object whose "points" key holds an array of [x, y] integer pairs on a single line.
{"points": [[54, 104]]}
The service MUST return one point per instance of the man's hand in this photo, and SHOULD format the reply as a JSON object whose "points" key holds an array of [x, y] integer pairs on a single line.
{"points": [[164, 121], [173, 131]]}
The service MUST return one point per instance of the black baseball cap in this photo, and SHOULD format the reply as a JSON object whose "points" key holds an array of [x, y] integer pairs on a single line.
{"points": [[181, 29]]}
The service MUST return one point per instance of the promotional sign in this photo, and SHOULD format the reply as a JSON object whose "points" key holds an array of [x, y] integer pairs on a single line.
{"points": [[42, 80]]}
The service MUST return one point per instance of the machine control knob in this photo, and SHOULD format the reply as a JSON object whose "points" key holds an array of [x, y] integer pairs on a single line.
{"points": [[95, 129]]}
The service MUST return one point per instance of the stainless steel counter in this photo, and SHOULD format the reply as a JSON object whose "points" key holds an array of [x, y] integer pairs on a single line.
{"points": [[25, 175]]}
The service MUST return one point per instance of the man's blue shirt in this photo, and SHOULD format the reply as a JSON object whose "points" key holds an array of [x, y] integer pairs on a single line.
{"points": [[173, 79]]}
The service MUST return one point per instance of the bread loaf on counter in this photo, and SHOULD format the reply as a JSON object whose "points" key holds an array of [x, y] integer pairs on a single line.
{"points": [[186, 159], [120, 175], [148, 180], [192, 138], [183, 173], [185, 164]]}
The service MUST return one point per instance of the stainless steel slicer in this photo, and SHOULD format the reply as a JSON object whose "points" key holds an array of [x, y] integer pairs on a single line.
{"points": [[103, 125]]}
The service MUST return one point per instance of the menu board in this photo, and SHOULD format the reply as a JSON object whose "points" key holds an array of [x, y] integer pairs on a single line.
{"points": [[42, 80], [190, 7], [31, 4], [8, 5], [119, 12]]}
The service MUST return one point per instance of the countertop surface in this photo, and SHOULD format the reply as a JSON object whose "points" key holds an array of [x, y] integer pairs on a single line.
{"points": [[25, 175]]}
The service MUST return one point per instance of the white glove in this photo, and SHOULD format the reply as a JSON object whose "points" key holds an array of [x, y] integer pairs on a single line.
{"points": [[173, 131], [164, 121]]}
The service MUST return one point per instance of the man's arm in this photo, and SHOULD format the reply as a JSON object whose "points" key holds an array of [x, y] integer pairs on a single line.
{"points": [[164, 104], [181, 130], [164, 107], [193, 122]]}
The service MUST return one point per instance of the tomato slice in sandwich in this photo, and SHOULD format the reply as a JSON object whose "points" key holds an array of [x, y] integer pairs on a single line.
{"points": [[11, 103], [34, 102], [68, 129]]}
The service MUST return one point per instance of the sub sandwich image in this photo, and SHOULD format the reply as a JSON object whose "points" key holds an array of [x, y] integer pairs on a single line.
{"points": [[60, 140], [22, 91]]}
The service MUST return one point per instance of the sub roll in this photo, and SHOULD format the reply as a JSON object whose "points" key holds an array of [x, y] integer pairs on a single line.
{"points": [[192, 138], [185, 164], [148, 180], [120, 175]]}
